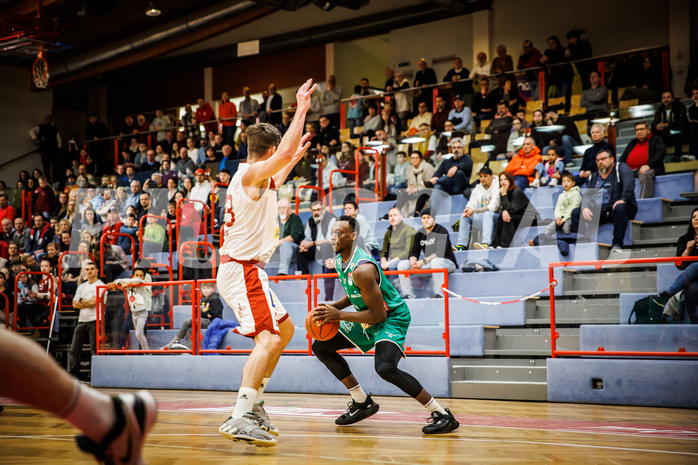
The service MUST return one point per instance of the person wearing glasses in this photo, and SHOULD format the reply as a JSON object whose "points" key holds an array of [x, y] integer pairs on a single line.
{"points": [[614, 199], [645, 157]]}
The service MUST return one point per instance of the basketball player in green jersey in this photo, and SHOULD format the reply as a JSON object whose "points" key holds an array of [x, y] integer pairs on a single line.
{"points": [[381, 321]]}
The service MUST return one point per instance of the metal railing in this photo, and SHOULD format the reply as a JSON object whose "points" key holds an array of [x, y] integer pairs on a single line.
{"points": [[598, 264]]}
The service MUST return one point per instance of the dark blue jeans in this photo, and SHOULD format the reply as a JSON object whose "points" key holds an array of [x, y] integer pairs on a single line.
{"points": [[521, 181], [618, 216], [452, 185], [687, 281]]}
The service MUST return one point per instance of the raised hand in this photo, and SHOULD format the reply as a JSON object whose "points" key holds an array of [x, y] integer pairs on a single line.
{"points": [[303, 146], [304, 93]]}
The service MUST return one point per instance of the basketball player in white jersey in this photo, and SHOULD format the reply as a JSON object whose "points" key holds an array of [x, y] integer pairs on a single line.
{"points": [[250, 236]]}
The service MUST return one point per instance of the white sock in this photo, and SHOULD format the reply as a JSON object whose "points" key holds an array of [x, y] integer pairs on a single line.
{"points": [[433, 406], [245, 402], [260, 391], [358, 394], [90, 411]]}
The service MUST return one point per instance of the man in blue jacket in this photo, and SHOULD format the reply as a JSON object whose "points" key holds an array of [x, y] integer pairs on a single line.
{"points": [[614, 200], [453, 174]]}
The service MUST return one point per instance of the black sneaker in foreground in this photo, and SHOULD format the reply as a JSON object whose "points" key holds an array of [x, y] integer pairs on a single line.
{"points": [[357, 412], [440, 423], [123, 444]]}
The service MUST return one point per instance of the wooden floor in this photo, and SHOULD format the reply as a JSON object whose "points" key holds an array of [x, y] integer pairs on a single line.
{"points": [[186, 432]]}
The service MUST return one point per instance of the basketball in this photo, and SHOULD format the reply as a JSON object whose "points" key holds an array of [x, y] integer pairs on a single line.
{"points": [[319, 332]]}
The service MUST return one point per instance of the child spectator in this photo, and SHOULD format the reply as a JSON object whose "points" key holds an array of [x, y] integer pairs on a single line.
{"points": [[569, 200], [131, 228], [139, 300], [553, 169], [211, 308], [402, 169], [28, 307], [355, 112]]}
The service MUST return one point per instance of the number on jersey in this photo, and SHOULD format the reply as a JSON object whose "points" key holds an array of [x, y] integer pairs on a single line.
{"points": [[229, 217]]}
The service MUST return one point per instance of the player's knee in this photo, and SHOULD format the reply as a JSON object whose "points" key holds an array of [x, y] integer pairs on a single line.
{"points": [[386, 370], [321, 349], [270, 341]]}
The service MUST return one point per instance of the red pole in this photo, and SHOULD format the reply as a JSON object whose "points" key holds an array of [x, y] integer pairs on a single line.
{"points": [[553, 334], [541, 85], [342, 116]]}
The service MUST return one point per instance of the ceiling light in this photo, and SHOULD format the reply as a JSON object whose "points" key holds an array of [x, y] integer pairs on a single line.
{"points": [[152, 10]]}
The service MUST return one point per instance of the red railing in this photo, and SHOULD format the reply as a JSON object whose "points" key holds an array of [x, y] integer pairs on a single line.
{"points": [[408, 350], [101, 249], [598, 264], [101, 330], [7, 310], [52, 292], [27, 207], [321, 193], [380, 190], [204, 212]]}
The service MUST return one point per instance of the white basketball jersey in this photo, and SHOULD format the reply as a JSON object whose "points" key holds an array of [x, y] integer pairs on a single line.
{"points": [[251, 227]]}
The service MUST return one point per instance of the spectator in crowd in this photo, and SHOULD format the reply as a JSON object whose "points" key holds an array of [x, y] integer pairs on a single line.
{"points": [[6, 289], [686, 244], [552, 170], [6, 210], [134, 198], [44, 197], [191, 125], [671, 123], [509, 94], [402, 169], [365, 87], [482, 70], [351, 208], [141, 128], [569, 200], [424, 77], [568, 138], [453, 174], [328, 135], [205, 116], [331, 99], [460, 115], [481, 211], [457, 76], [113, 225], [29, 309], [423, 117], [516, 138], [515, 208], [153, 237], [140, 302], [389, 79], [161, 123], [433, 241], [598, 138], [402, 99], [484, 103], [614, 201], [580, 49], [85, 300], [201, 191], [286, 123], [397, 242], [559, 75], [412, 200], [185, 165], [22, 235], [150, 164], [48, 139], [355, 111], [91, 222], [249, 107], [227, 117], [317, 246], [130, 227], [290, 236], [644, 155], [692, 128], [41, 234], [501, 65], [143, 208], [530, 57], [211, 308], [594, 97], [440, 115], [115, 261], [94, 131], [272, 106], [648, 83], [525, 165], [372, 122]]}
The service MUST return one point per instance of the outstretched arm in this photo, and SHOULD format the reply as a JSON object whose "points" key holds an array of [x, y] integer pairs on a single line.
{"points": [[286, 152], [304, 145]]}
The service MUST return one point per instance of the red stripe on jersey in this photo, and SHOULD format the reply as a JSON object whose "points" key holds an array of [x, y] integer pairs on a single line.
{"points": [[262, 314]]}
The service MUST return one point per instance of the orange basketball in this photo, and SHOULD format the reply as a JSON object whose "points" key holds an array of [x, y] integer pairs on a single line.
{"points": [[323, 332]]}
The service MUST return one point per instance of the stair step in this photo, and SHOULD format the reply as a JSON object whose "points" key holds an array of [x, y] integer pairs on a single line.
{"points": [[611, 282], [499, 373], [499, 390]]}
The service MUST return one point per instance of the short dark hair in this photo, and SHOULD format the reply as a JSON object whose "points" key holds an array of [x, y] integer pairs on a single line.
{"points": [[2, 194], [568, 175], [352, 203], [644, 123], [352, 222], [145, 193], [260, 138], [608, 151], [485, 170]]}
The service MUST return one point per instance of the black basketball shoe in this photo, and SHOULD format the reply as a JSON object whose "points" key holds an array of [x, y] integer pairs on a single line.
{"points": [[440, 423], [357, 412]]}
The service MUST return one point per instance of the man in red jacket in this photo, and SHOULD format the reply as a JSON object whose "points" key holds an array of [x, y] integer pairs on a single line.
{"points": [[45, 198], [6, 210], [205, 115], [113, 224]]}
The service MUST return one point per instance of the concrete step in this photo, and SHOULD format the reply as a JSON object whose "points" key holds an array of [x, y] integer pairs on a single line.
{"points": [[652, 252], [496, 373], [666, 232], [527, 341], [608, 282], [573, 311], [508, 390], [681, 211]]}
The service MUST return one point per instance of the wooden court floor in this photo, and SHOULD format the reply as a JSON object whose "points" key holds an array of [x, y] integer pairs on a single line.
{"points": [[186, 432]]}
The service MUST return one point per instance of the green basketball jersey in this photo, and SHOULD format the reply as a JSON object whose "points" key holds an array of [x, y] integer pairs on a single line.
{"points": [[391, 297]]}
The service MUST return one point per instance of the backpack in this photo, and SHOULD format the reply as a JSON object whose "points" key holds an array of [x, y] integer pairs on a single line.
{"points": [[648, 310]]}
